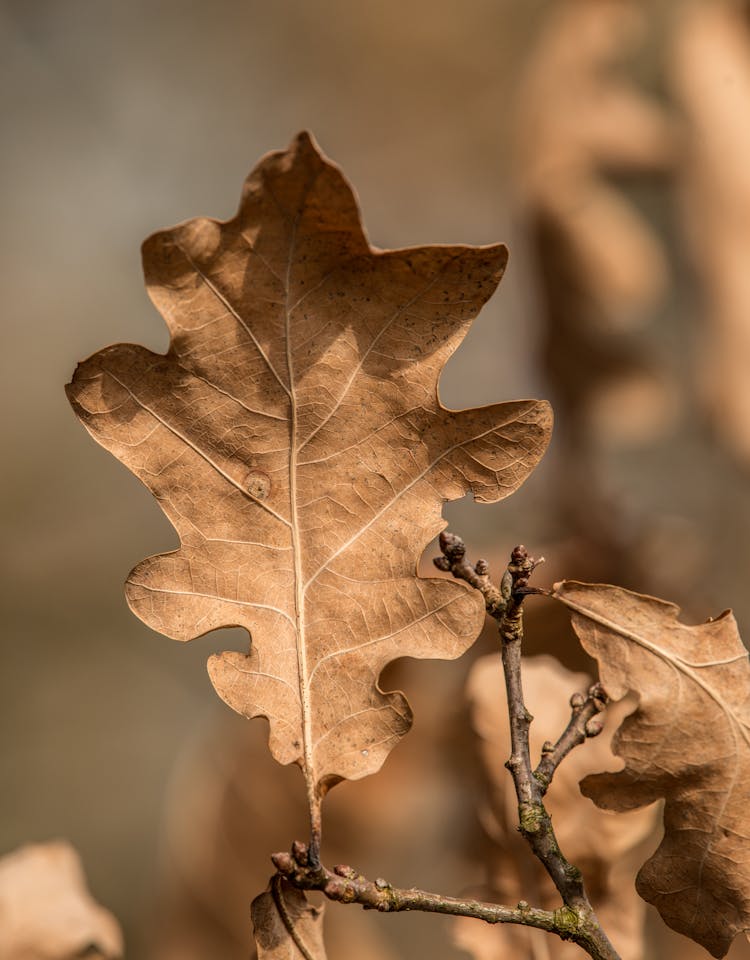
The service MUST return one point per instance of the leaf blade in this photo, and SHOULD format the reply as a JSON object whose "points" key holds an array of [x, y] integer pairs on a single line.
{"points": [[688, 741], [294, 437]]}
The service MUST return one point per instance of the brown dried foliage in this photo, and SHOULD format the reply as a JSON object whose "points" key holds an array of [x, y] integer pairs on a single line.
{"points": [[710, 78], [294, 437], [580, 118], [46, 910], [687, 742]]}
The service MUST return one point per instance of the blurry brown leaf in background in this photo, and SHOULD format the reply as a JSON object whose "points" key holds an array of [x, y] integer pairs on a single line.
{"points": [[579, 117], [585, 130], [46, 910], [710, 79], [608, 849]]}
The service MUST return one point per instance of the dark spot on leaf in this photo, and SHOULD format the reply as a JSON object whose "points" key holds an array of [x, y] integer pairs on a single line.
{"points": [[258, 484]]}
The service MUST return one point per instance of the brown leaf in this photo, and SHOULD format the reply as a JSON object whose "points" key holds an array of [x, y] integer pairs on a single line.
{"points": [[710, 77], [579, 118], [608, 849], [46, 910], [687, 742], [294, 437], [286, 926]]}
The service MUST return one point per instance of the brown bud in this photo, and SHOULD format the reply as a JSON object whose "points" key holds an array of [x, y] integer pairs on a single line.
{"points": [[282, 862], [548, 747], [342, 870], [599, 695], [445, 539], [482, 568], [519, 553], [594, 727], [452, 545], [299, 852], [335, 890], [442, 563], [577, 701]]}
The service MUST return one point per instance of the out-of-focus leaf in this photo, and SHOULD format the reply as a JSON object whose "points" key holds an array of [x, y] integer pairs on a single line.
{"points": [[228, 808], [294, 437], [579, 118], [46, 910], [710, 78], [688, 741]]}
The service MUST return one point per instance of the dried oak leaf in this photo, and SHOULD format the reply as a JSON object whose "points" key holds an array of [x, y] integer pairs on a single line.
{"points": [[286, 926], [46, 910], [687, 742], [294, 437]]}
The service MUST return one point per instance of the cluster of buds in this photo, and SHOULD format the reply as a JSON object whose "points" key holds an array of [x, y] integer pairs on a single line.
{"points": [[514, 581], [597, 699], [586, 714]]}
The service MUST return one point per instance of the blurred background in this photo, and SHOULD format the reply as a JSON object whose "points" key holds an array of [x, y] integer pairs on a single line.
{"points": [[607, 142]]}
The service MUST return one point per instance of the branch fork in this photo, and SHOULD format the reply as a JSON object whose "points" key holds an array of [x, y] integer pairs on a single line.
{"points": [[575, 919], [345, 885], [585, 722]]}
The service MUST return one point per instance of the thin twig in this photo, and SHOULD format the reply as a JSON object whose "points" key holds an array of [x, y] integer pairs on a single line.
{"points": [[534, 820], [584, 723], [575, 920], [454, 561], [345, 885]]}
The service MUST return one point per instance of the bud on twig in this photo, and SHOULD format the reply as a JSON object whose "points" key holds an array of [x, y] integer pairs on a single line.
{"points": [[594, 726]]}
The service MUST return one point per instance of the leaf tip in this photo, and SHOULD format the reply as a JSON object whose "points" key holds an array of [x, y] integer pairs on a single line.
{"points": [[305, 142], [546, 417]]}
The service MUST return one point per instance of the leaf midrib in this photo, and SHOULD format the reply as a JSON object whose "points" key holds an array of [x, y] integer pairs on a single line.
{"points": [[299, 597], [674, 661]]}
